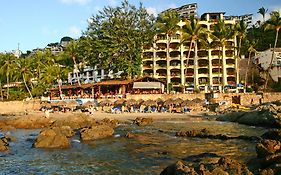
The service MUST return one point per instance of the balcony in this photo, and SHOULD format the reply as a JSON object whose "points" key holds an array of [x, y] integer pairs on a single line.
{"points": [[202, 54], [229, 53], [147, 67]]}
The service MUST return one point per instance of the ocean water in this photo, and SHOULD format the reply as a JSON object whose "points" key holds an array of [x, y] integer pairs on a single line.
{"points": [[154, 148]]}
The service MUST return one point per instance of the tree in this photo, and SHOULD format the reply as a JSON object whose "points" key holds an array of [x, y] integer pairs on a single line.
{"points": [[263, 11], [72, 50], [251, 49], [24, 73], [116, 37], [240, 30], [167, 23], [273, 23], [7, 66], [193, 32], [221, 34]]}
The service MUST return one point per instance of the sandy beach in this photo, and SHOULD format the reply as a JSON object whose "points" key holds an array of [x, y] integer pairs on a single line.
{"points": [[32, 109]]}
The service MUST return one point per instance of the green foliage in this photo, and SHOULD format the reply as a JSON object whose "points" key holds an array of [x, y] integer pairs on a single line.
{"points": [[249, 89], [115, 37]]}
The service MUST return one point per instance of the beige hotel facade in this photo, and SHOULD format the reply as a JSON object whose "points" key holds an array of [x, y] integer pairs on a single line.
{"points": [[206, 70]]}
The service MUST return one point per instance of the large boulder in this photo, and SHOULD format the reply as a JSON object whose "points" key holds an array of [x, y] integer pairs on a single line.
{"points": [[274, 134], [28, 122], [76, 121], [143, 121], [268, 147], [110, 122], [51, 138], [4, 145], [266, 115], [96, 132], [224, 166]]}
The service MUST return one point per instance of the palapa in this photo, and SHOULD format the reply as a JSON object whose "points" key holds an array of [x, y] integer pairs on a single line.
{"points": [[105, 102], [150, 103]]}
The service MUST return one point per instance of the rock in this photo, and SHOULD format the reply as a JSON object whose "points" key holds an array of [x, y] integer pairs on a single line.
{"points": [[51, 138], [96, 132], [75, 122], [224, 166], [7, 128], [130, 135], [142, 121], [111, 122], [4, 145], [274, 134], [268, 115], [28, 122], [64, 130], [193, 133], [179, 168], [267, 147]]}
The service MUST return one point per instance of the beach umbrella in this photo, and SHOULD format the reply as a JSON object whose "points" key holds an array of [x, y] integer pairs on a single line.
{"points": [[178, 101], [105, 102], [89, 104], [72, 104], [140, 101], [55, 103], [198, 100], [187, 103], [46, 105], [62, 103], [169, 102], [131, 102], [159, 101], [119, 102], [150, 103]]}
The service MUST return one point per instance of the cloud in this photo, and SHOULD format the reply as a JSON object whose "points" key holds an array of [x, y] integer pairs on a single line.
{"points": [[151, 11], [74, 31], [80, 2]]}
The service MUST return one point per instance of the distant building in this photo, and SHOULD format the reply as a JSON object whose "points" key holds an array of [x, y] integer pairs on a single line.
{"points": [[91, 75], [55, 48], [17, 53], [262, 59], [247, 18], [186, 11]]}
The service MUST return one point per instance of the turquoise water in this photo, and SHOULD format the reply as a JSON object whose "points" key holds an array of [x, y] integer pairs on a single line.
{"points": [[148, 153]]}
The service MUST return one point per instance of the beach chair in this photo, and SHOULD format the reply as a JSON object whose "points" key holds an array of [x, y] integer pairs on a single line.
{"points": [[153, 109]]}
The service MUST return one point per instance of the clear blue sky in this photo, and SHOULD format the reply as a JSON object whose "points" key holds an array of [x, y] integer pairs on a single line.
{"points": [[35, 23]]}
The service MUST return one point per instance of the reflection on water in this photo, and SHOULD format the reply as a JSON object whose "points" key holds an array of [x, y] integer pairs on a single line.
{"points": [[147, 153]]}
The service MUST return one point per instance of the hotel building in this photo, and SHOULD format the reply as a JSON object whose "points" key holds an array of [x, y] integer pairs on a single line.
{"points": [[206, 70], [186, 11]]}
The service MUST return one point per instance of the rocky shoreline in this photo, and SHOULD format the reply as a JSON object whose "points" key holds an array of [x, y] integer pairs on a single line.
{"points": [[55, 133]]}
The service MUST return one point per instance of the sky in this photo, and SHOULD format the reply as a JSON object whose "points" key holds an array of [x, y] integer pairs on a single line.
{"points": [[32, 24]]}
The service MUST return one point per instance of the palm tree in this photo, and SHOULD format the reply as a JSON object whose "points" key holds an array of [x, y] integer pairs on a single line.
{"points": [[251, 49], [167, 23], [7, 66], [221, 34], [273, 23], [24, 72], [263, 11], [72, 51], [193, 31], [240, 30]]}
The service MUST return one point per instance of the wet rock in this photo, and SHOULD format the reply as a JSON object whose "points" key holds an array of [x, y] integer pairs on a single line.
{"points": [[64, 130], [109, 122], [4, 145], [143, 121], [96, 132], [51, 138], [130, 135], [267, 147], [274, 134], [75, 122], [28, 122], [223, 166], [266, 115], [205, 134], [179, 168], [7, 128]]}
